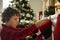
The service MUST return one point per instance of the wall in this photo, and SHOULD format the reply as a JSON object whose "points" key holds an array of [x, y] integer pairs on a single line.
{"points": [[37, 5], [0, 6], [0, 13]]}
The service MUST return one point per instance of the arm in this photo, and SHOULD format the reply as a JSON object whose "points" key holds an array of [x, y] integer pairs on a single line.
{"points": [[44, 24], [22, 33]]}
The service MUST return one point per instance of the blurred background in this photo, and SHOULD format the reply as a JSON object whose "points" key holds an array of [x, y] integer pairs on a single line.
{"points": [[31, 11]]}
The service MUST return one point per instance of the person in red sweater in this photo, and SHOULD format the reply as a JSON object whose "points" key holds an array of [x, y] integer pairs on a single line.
{"points": [[10, 18]]}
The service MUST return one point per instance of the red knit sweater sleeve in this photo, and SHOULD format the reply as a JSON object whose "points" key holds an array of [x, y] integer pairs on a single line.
{"points": [[18, 33], [45, 25]]}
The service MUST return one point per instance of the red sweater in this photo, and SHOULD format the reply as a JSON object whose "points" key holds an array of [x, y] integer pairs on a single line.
{"points": [[9, 33]]}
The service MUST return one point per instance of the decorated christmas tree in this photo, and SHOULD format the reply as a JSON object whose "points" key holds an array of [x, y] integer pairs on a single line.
{"points": [[27, 15]]}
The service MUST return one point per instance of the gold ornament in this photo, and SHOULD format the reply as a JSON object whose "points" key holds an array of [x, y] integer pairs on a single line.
{"points": [[57, 4]]}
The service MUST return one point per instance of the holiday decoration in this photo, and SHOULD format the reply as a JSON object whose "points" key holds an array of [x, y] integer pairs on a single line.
{"points": [[40, 15], [57, 6]]}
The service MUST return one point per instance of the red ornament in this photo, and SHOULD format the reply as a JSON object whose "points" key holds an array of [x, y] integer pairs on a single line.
{"points": [[40, 13]]}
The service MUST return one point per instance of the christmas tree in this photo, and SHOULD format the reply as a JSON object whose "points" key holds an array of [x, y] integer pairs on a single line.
{"points": [[27, 14]]}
